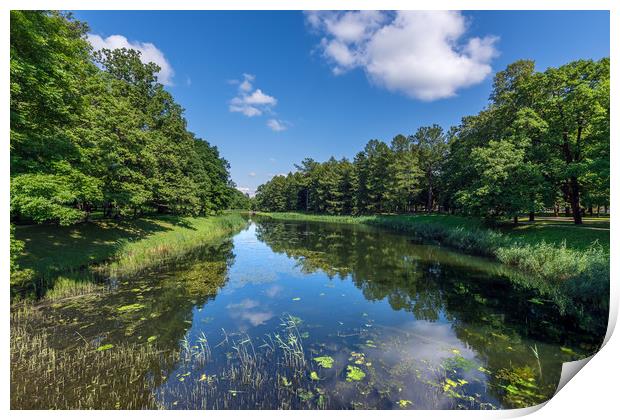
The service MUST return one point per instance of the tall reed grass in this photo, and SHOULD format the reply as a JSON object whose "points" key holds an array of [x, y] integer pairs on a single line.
{"points": [[168, 246]]}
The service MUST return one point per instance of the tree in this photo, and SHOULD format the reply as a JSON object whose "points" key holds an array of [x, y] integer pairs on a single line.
{"points": [[404, 174], [432, 148], [105, 136], [574, 102]]}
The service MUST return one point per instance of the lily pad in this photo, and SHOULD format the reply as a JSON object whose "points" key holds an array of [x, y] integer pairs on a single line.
{"points": [[326, 362], [404, 403], [354, 373]]}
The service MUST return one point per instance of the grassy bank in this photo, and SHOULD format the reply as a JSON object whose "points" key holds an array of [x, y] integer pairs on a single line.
{"points": [[573, 261], [61, 261]]}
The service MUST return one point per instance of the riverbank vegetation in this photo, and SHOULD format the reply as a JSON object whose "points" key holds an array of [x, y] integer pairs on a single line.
{"points": [[59, 261]]}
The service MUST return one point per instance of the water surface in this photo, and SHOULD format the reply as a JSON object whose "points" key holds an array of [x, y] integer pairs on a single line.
{"points": [[315, 315]]}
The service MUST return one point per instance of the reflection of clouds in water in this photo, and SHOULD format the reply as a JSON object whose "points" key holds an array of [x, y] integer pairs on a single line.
{"points": [[244, 304], [424, 340], [425, 346], [245, 311], [273, 291]]}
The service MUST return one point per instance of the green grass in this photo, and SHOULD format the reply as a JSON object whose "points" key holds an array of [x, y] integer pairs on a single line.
{"points": [[63, 260], [558, 230]]}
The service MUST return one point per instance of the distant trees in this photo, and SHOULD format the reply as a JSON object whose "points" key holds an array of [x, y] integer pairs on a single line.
{"points": [[98, 132], [541, 143]]}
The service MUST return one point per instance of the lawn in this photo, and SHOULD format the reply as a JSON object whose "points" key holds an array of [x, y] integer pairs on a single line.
{"points": [[558, 229], [124, 245]]}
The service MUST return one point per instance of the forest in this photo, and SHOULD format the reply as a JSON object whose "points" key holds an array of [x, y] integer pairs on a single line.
{"points": [[541, 145], [95, 132]]}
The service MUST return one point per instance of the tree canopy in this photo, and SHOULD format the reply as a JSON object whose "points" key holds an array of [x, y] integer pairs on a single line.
{"points": [[542, 143], [95, 131]]}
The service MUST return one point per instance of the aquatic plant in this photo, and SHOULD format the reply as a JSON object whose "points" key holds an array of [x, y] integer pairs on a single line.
{"points": [[326, 362], [355, 374]]}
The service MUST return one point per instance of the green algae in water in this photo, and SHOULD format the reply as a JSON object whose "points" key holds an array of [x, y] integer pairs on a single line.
{"points": [[326, 362], [131, 308], [354, 373]]}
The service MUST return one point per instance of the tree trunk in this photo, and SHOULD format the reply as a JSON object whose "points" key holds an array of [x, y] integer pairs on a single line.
{"points": [[590, 210], [574, 200], [531, 216], [429, 200], [515, 220]]}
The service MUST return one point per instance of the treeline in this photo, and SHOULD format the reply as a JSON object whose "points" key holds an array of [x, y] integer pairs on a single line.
{"points": [[95, 131], [542, 144]]}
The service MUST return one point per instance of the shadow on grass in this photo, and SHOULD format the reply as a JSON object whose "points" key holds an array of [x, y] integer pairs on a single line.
{"points": [[51, 251]]}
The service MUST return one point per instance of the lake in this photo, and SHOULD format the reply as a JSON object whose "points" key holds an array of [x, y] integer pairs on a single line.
{"points": [[316, 315]]}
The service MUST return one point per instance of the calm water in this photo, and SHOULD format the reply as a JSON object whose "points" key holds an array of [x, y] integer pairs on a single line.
{"points": [[311, 315]]}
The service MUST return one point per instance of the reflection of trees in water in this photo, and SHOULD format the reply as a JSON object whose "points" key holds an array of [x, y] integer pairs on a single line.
{"points": [[489, 311], [425, 280]]}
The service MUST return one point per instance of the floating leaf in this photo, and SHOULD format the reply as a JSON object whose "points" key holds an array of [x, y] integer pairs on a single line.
{"points": [[325, 361], [305, 395], [296, 299], [354, 373], [568, 351], [314, 376], [483, 370], [404, 403], [105, 347], [151, 339]]}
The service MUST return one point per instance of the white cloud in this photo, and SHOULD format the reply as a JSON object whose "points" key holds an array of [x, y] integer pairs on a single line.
{"points": [[277, 125], [251, 192], [149, 53], [252, 174], [419, 53], [249, 101]]}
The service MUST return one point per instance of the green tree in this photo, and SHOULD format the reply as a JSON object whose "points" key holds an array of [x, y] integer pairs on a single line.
{"points": [[432, 149]]}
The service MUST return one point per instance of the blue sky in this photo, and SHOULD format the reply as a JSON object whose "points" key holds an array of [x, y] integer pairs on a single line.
{"points": [[323, 84]]}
